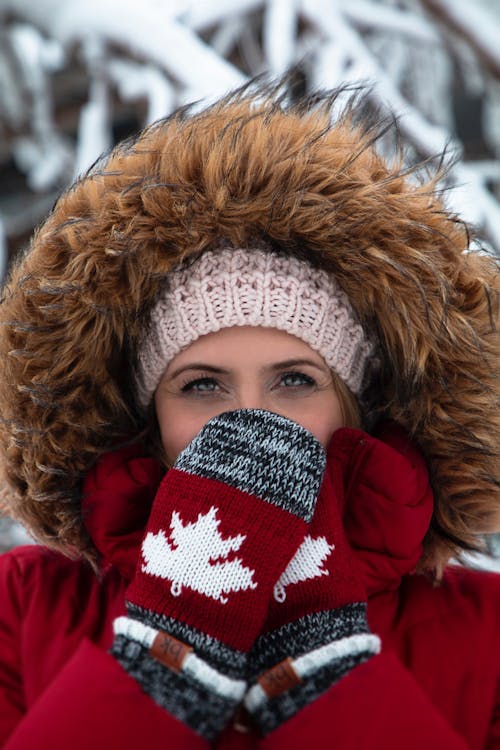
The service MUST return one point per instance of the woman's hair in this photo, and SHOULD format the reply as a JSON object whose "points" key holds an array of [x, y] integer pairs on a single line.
{"points": [[351, 411]]}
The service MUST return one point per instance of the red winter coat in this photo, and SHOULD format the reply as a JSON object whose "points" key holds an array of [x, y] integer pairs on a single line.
{"points": [[435, 684]]}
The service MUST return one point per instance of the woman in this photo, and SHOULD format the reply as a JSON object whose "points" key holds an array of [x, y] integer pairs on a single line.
{"points": [[219, 357]]}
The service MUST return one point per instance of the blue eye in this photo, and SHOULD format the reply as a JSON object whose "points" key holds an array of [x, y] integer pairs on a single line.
{"points": [[296, 380], [200, 385]]}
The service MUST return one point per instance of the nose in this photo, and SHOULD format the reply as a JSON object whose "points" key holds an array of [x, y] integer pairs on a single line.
{"points": [[250, 398]]}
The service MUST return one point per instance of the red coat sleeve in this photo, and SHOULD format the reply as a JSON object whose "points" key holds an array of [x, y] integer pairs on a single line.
{"points": [[91, 702], [377, 705], [11, 688], [94, 704], [494, 735]]}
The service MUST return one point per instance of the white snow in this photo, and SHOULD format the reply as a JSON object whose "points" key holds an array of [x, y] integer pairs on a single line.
{"points": [[169, 52], [390, 20], [478, 21], [280, 27]]}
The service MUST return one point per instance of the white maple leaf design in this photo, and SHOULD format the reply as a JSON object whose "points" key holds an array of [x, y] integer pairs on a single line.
{"points": [[193, 557], [305, 564]]}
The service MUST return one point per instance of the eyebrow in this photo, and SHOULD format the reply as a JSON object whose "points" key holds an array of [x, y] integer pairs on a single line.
{"points": [[269, 368]]}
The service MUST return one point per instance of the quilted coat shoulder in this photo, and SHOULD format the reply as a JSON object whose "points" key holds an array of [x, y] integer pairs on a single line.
{"points": [[250, 166]]}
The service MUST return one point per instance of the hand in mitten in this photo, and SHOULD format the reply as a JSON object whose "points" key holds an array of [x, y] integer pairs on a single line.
{"points": [[316, 630], [225, 522]]}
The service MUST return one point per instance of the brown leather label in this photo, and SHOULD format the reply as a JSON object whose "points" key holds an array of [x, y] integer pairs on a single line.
{"points": [[279, 679], [169, 651]]}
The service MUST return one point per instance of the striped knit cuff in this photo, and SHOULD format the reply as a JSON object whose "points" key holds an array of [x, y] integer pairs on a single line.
{"points": [[292, 639], [294, 683], [176, 678], [261, 453], [222, 657]]}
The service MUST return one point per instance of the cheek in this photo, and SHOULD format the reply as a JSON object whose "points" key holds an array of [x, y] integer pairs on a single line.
{"points": [[177, 428], [323, 420], [323, 429]]}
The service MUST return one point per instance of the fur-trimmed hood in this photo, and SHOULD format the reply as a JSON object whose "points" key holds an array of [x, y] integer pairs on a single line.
{"points": [[248, 167]]}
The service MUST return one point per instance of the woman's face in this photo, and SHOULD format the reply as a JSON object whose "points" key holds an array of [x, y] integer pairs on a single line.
{"points": [[245, 368]]}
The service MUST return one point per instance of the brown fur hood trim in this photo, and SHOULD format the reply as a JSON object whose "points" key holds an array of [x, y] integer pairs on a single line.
{"points": [[247, 167]]}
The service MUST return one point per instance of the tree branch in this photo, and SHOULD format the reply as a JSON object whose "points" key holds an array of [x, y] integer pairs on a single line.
{"points": [[476, 26]]}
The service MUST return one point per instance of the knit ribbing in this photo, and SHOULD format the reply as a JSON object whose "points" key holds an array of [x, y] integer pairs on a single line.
{"points": [[289, 466], [239, 287], [181, 694], [307, 633]]}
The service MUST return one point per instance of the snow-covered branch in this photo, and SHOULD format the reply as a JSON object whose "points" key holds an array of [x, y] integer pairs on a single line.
{"points": [[152, 56], [475, 25], [426, 137], [372, 16]]}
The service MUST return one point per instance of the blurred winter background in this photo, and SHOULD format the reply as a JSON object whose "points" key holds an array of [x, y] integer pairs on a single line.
{"points": [[78, 75]]}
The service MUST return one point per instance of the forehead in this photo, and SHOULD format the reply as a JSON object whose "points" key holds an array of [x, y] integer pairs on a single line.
{"points": [[246, 342]]}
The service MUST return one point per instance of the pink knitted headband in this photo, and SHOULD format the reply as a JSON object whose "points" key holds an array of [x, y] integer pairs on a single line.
{"points": [[239, 287]]}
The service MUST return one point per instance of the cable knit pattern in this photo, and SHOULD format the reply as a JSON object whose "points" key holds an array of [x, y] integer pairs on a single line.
{"points": [[255, 287]]}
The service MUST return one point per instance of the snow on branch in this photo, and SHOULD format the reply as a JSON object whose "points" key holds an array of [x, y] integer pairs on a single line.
{"points": [[279, 27], [375, 16], [204, 13], [428, 139], [154, 56], [475, 25], [147, 29]]}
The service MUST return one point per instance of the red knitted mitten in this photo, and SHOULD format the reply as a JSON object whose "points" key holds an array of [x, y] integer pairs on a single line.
{"points": [[316, 630], [225, 522]]}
